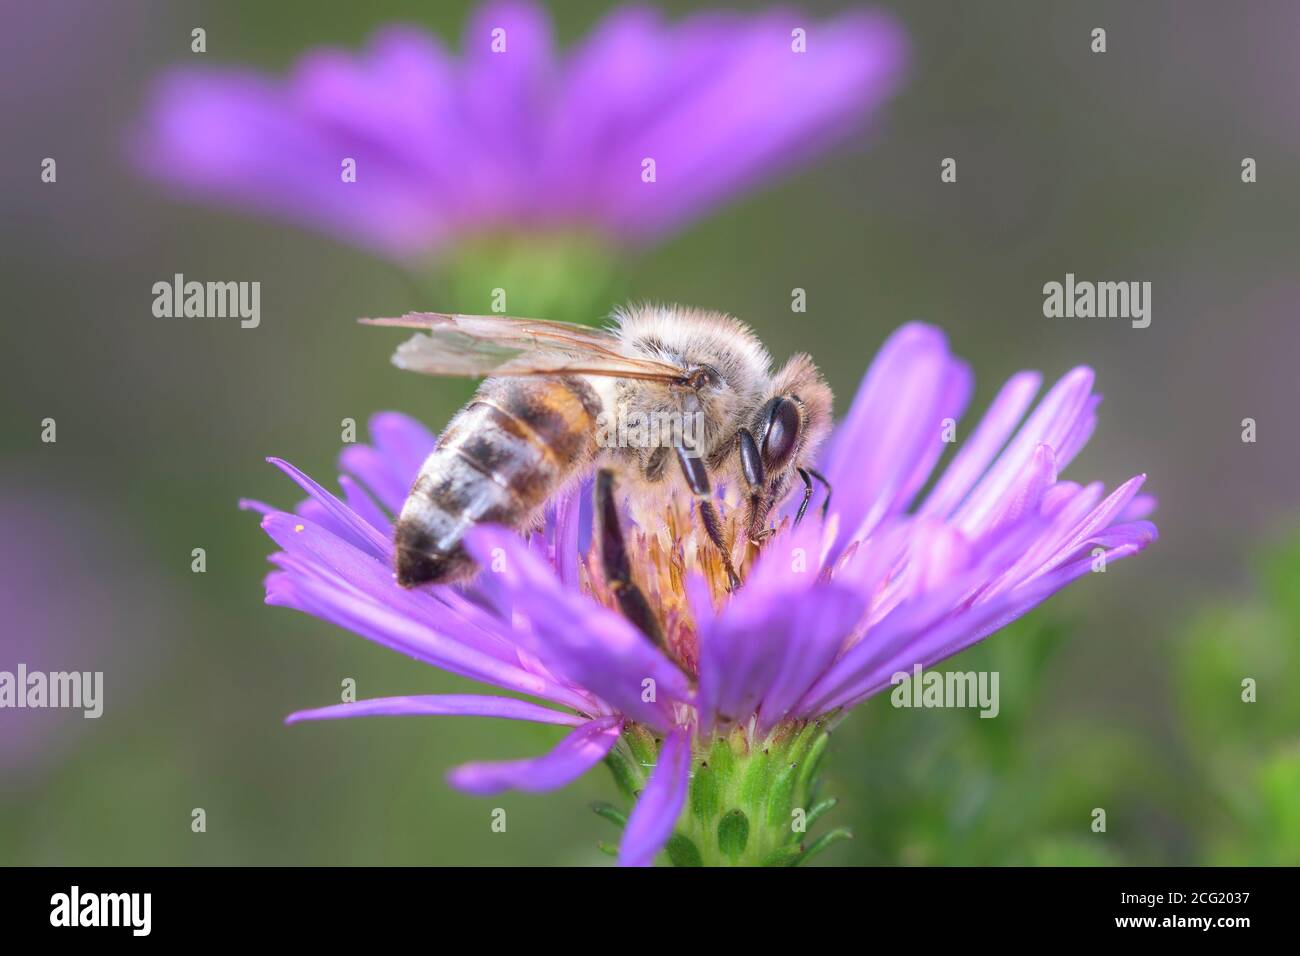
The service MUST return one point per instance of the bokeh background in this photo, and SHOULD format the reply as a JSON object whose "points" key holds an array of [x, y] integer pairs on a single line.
{"points": [[1123, 694]]}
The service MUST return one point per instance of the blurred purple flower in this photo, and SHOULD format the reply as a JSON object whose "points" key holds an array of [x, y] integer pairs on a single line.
{"points": [[522, 139], [76, 595], [828, 613]]}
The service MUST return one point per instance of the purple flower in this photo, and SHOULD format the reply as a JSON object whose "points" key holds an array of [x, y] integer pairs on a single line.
{"points": [[512, 136], [78, 596], [747, 683]]}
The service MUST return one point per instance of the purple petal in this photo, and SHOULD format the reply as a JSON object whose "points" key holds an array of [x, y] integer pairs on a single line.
{"points": [[813, 630], [377, 475], [1023, 496], [338, 517], [513, 139], [364, 506], [1099, 518], [572, 757], [1050, 424], [750, 107], [571, 513], [978, 451], [403, 442], [1139, 507], [925, 634], [933, 645], [657, 808], [389, 467], [330, 579], [235, 138], [893, 434], [589, 644], [470, 705]]}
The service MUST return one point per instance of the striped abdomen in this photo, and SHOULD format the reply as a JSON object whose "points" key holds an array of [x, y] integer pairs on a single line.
{"points": [[499, 461]]}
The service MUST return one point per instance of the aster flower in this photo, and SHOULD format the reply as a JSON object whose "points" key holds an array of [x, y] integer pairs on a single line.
{"points": [[513, 137], [717, 735]]}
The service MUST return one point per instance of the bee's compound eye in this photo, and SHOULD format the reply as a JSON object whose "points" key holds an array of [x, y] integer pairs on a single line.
{"points": [[780, 432]]}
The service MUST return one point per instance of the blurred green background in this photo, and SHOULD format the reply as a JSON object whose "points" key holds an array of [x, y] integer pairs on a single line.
{"points": [[1124, 694]]}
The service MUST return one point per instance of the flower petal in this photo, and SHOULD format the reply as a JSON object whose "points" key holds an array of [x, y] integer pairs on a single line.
{"points": [[1051, 423], [978, 451], [658, 806], [337, 516], [811, 632], [441, 705], [573, 635], [893, 434], [403, 442], [572, 757], [329, 578]]}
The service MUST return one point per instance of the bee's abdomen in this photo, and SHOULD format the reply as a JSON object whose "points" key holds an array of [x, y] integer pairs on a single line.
{"points": [[499, 461]]}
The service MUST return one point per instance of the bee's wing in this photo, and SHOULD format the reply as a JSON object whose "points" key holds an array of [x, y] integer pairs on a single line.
{"points": [[480, 345]]}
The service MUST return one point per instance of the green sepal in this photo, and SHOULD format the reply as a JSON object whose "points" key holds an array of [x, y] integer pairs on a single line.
{"points": [[754, 783], [825, 840], [733, 834], [722, 759], [620, 764], [610, 812], [787, 855], [813, 762], [707, 787], [780, 795], [741, 797], [683, 852], [818, 811]]}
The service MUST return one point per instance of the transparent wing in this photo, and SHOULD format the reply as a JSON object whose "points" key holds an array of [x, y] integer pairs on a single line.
{"points": [[480, 345]]}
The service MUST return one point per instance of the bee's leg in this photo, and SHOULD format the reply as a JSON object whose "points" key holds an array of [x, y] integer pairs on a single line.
{"points": [[751, 468], [826, 505], [807, 495], [697, 477], [751, 460], [616, 565]]}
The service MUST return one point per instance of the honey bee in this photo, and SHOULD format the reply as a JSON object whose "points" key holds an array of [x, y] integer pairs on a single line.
{"points": [[543, 419]]}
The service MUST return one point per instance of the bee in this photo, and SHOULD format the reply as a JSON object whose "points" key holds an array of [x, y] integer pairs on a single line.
{"points": [[544, 417]]}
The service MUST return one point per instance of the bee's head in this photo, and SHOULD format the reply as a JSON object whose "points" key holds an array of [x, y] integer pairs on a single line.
{"points": [[794, 421]]}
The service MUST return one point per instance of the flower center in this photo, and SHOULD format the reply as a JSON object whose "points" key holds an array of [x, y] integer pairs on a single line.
{"points": [[667, 544]]}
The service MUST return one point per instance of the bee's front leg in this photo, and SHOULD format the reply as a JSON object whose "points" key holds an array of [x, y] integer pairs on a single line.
{"points": [[826, 504], [752, 470], [807, 495], [615, 563], [697, 479]]}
